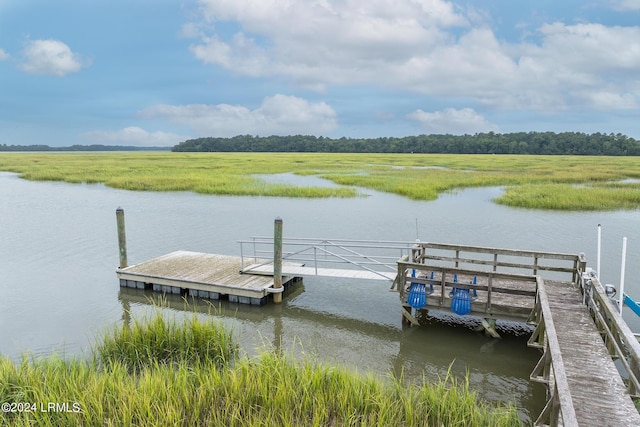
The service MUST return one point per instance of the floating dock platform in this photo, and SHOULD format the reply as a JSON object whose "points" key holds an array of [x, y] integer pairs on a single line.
{"points": [[203, 275]]}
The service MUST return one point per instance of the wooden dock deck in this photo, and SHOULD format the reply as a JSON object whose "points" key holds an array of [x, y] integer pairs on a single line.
{"points": [[585, 375], [200, 274]]}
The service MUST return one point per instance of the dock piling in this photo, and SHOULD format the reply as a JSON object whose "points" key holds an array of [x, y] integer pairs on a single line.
{"points": [[277, 259], [122, 239]]}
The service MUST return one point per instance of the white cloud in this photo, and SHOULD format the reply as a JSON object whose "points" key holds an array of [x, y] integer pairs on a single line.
{"points": [[278, 115], [626, 4], [324, 41], [4, 55], [134, 136], [50, 57], [452, 121], [427, 46], [583, 64]]}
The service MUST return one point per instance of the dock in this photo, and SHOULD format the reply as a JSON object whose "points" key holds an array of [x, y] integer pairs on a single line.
{"points": [[590, 362], [203, 275], [584, 374]]}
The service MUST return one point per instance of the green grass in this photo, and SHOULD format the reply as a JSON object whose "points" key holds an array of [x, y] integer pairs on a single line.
{"points": [[188, 388], [573, 198], [536, 182], [155, 340]]}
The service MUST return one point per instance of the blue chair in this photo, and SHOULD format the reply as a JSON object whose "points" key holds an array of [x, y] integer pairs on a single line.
{"points": [[417, 294], [461, 300]]}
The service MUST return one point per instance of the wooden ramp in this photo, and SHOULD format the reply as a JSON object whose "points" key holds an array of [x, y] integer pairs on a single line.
{"points": [[595, 388], [301, 271], [200, 274]]}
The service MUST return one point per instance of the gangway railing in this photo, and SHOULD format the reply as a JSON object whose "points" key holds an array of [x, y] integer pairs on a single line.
{"points": [[559, 409], [378, 257], [620, 341]]}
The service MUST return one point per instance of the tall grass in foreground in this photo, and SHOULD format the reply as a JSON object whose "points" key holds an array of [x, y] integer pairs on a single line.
{"points": [[271, 390], [156, 340]]}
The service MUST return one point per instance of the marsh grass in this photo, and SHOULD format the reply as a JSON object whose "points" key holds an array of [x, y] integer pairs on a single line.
{"points": [[597, 197], [541, 182], [157, 340], [272, 389]]}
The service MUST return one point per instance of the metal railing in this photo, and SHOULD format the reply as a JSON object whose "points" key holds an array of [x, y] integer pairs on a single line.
{"points": [[375, 256]]}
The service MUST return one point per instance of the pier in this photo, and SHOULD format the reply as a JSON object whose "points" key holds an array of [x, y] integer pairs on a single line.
{"points": [[580, 333], [590, 360]]}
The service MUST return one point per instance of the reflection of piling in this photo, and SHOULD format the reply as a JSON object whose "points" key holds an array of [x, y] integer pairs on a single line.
{"points": [[277, 260], [122, 239]]}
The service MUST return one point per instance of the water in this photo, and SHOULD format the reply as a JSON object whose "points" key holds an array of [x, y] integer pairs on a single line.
{"points": [[58, 255]]}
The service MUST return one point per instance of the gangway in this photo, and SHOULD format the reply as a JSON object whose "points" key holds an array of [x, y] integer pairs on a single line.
{"points": [[356, 259]]}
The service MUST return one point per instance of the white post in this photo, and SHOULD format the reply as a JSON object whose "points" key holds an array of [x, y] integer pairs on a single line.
{"points": [[622, 268], [599, 246]]}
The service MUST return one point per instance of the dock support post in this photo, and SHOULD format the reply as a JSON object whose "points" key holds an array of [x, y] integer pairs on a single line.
{"points": [[277, 259], [489, 327], [122, 239]]}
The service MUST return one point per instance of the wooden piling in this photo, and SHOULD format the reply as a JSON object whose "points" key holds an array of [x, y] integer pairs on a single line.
{"points": [[277, 260], [122, 239]]}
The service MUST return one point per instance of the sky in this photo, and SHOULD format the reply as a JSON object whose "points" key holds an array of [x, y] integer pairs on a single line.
{"points": [[158, 72]]}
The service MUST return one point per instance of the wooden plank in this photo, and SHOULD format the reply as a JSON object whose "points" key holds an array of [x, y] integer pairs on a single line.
{"points": [[409, 316], [500, 251], [503, 265], [466, 274], [593, 383]]}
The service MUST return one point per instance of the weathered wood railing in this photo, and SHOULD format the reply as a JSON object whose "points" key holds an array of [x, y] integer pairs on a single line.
{"points": [[498, 259], [550, 369], [489, 285], [505, 276], [618, 338]]}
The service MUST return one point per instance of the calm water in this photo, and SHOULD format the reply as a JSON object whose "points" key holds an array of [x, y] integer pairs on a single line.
{"points": [[58, 254]]}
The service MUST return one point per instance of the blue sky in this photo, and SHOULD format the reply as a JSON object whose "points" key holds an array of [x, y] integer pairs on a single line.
{"points": [[157, 72]]}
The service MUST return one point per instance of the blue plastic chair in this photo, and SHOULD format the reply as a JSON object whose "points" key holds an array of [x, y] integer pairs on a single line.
{"points": [[417, 294], [461, 300]]}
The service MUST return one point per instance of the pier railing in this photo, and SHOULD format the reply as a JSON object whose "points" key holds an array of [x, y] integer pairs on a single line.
{"points": [[376, 256], [493, 286], [559, 409], [500, 260], [505, 277], [620, 341]]}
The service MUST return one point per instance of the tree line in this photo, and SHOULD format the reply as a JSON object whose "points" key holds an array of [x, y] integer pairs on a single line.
{"points": [[547, 143]]}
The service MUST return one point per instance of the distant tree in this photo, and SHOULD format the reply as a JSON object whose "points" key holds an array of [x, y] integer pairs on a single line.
{"points": [[550, 143]]}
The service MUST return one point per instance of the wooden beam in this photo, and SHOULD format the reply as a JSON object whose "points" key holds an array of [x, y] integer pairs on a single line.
{"points": [[408, 316]]}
